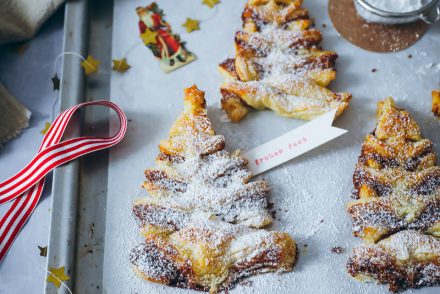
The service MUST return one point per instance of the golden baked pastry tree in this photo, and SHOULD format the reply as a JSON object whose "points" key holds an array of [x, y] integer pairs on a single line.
{"points": [[397, 192], [279, 64], [201, 217]]}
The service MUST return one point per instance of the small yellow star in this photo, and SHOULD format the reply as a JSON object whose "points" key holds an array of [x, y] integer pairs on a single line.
{"points": [[120, 65], [191, 25], [149, 37], [90, 65], [46, 128], [56, 276], [210, 3]]}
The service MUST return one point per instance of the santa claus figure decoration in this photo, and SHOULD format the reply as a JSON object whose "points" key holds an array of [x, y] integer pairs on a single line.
{"points": [[157, 35]]}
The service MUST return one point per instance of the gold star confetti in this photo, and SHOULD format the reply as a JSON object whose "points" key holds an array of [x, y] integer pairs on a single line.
{"points": [[56, 276], [191, 25], [90, 65], [56, 82], [120, 65], [210, 3], [46, 128], [149, 37], [43, 250]]}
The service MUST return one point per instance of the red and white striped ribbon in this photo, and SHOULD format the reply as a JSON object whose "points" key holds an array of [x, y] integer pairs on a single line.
{"points": [[26, 186]]}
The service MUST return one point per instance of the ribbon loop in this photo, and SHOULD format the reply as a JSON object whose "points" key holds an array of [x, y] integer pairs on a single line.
{"points": [[26, 186]]}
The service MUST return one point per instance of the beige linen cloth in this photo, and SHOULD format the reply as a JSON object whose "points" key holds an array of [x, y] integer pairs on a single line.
{"points": [[19, 20], [13, 116]]}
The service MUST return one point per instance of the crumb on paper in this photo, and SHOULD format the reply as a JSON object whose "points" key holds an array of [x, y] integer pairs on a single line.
{"points": [[43, 250], [245, 283], [337, 250]]}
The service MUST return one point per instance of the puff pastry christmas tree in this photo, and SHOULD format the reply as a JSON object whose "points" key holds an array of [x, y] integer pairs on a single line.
{"points": [[200, 218], [279, 64], [397, 187]]}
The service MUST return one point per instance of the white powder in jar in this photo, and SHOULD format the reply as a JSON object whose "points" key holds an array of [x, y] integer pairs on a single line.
{"points": [[398, 5]]}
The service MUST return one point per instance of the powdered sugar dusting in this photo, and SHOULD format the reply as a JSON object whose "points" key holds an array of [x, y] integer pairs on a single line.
{"points": [[271, 37], [396, 178], [279, 65], [310, 189], [214, 185], [411, 245], [197, 219], [397, 183]]}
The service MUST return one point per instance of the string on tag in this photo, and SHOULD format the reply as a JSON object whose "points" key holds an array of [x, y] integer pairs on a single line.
{"points": [[56, 278], [82, 58], [214, 13]]}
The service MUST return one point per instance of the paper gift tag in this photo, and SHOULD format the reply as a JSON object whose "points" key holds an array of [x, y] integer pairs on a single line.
{"points": [[293, 143]]}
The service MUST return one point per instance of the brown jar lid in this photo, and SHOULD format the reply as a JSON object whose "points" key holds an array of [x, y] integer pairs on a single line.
{"points": [[373, 36]]}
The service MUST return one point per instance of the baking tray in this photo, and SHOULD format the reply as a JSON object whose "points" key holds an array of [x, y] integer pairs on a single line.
{"points": [[77, 223], [92, 229]]}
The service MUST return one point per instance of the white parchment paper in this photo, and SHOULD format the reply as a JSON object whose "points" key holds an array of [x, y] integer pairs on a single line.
{"points": [[309, 193]]}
